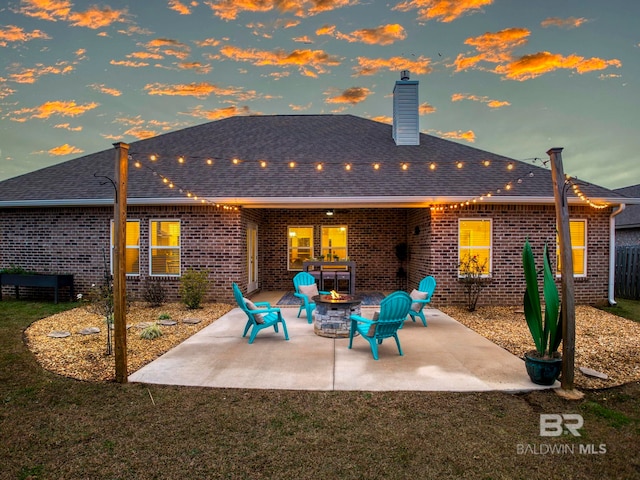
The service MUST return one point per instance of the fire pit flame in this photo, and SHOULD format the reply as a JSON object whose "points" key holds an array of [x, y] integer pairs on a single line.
{"points": [[335, 295]]}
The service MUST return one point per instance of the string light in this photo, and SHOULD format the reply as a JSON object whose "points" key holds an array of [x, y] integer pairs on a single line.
{"points": [[348, 166]]}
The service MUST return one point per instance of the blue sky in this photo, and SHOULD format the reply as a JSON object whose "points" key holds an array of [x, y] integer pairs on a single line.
{"points": [[511, 77]]}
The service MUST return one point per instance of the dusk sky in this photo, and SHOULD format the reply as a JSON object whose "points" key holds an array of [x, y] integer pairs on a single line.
{"points": [[512, 77]]}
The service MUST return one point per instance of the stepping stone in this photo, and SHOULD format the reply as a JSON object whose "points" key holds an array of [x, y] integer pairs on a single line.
{"points": [[59, 334], [89, 331], [191, 321], [143, 325], [167, 323], [590, 372]]}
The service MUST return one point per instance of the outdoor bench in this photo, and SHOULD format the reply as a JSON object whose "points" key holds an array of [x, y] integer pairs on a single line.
{"points": [[36, 280]]}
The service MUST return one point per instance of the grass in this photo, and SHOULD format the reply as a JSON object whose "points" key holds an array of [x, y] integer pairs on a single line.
{"points": [[55, 427], [625, 308]]}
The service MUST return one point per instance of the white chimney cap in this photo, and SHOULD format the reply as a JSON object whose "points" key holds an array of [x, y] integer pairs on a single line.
{"points": [[404, 75]]}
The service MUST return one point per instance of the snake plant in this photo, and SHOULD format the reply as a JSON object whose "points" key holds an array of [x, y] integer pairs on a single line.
{"points": [[546, 335]]}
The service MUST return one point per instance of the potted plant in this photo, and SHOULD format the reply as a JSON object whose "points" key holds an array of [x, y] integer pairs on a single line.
{"points": [[544, 363]]}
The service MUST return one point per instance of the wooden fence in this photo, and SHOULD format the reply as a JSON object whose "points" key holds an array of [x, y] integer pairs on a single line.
{"points": [[627, 276]]}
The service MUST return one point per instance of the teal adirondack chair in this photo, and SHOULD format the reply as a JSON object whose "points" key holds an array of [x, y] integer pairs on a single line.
{"points": [[305, 279], [427, 285], [393, 312], [260, 315]]}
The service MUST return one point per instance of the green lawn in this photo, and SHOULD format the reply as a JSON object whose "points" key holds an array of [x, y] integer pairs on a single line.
{"points": [[626, 308], [57, 428]]}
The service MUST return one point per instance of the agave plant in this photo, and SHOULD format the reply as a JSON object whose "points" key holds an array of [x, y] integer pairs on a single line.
{"points": [[546, 335]]}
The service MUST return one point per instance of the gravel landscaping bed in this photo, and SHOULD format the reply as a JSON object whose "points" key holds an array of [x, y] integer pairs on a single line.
{"points": [[604, 342], [84, 356]]}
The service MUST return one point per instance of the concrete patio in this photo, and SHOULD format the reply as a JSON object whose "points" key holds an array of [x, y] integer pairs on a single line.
{"points": [[445, 356]]}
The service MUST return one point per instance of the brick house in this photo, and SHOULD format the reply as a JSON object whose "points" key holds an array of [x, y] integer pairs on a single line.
{"points": [[247, 198]]}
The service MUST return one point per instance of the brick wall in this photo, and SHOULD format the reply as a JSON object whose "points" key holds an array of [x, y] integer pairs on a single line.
{"points": [[75, 240]]}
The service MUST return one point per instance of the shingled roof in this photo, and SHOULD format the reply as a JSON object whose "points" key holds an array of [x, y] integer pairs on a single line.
{"points": [[630, 217], [307, 140]]}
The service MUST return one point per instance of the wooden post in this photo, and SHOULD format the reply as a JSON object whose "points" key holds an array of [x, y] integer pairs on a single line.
{"points": [[119, 269], [566, 269]]}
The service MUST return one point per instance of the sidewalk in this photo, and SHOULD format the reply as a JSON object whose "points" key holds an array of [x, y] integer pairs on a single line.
{"points": [[445, 356]]}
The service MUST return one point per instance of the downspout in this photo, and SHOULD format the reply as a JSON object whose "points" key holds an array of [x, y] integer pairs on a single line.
{"points": [[612, 253]]}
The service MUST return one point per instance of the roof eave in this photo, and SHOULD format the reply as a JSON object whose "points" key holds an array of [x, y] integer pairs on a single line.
{"points": [[306, 202]]}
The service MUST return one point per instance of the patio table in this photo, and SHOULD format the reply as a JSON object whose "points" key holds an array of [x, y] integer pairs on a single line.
{"points": [[351, 266]]}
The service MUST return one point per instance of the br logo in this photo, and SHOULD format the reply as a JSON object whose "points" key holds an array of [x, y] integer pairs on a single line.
{"points": [[554, 424]]}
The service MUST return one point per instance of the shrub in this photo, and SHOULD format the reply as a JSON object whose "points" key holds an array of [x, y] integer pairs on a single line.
{"points": [[164, 316], [473, 276], [151, 332], [193, 286], [154, 293]]}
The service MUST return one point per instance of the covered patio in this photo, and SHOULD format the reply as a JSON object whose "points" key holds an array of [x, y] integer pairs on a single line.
{"points": [[445, 356]]}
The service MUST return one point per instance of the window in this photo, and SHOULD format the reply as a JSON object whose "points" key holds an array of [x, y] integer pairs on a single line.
{"points": [[578, 233], [132, 250], [333, 243], [474, 244], [165, 247], [300, 246]]}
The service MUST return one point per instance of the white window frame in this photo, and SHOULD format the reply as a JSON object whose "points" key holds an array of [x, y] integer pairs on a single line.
{"points": [[346, 247], [132, 247], [585, 248], [290, 247], [490, 247], [173, 247]]}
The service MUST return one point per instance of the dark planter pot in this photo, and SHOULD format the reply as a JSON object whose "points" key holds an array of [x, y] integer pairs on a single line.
{"points": [[542, 371]]}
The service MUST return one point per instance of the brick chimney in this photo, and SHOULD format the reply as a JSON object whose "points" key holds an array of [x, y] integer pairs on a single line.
{"points": [[406, 123]]}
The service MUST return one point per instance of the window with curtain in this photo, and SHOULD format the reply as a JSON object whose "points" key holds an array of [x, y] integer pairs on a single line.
{"points": [[578, 233], [475, 245], [333, 243], [132, 251], [164, 251], [300, 246]]}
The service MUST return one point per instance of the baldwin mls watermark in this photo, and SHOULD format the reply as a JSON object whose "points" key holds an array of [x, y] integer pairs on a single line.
{"points": [[556, 425]]}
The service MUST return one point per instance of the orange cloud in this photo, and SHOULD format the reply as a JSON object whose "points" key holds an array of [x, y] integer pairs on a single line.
{"points": [[127, 63], [208, 42], [198, 90], [351, 95], [469, 135], [426, 109], [371, 66], [230, 9], [106, 90], [67, 126], [382, 119], [494, 47], [51, 10], [456, 97], [48, 109], [318, 60], [31, 75], [169, 46], [442, 10], [382, 35], [303, 39], [571, 22], [300, 108], [219, 113], [11, 33], [534, 65], [65, 149], [6, 91], [179, 7], [195, 66], [54, 10], [95, 17], [141, 133]]}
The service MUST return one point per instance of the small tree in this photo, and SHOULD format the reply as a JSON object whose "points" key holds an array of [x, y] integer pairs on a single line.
{"points": [[193, 286], [473, 276]]}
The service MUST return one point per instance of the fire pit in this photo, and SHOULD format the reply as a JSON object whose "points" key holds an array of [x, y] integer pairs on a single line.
{"points": [[331, 318]]}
